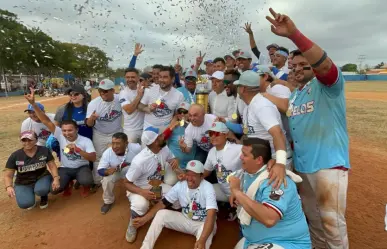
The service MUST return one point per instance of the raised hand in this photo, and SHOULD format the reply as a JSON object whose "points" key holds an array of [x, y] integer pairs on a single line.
{"points": [[199, 59], [138, 49], [140, 90], [30, 97], [282, 25], [247, 28]]}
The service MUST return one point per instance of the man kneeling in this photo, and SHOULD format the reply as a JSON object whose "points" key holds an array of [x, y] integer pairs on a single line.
{"points": [[197, 197], [269, 218]]}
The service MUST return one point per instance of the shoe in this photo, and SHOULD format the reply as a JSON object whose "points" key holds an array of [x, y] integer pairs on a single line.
{"points": [[131, 233], [85, 191], [94, 188], [43, 202], [77, 185], [67, 191], [106, 208], [32, 207]]}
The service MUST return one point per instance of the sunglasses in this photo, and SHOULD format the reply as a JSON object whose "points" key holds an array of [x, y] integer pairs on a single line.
{"points": [[74, 94], [25, 140], [228, 82], [214, 133], [103, 91], [182, 111]]}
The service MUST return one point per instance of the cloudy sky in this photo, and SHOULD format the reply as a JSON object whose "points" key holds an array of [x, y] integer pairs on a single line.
{"points": [[346, 29]]}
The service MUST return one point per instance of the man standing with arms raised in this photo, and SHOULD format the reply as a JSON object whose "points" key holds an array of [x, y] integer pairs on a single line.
{"points": [[104, 114], [317, 120], [161, 101]]}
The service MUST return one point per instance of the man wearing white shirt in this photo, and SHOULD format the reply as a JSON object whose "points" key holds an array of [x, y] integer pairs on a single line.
{"points": [[113, 166], [229, 78], [76, 151], [221, 105], [224, 158], [130, 98], [33, 123], [151, 167], [196, 196], [104, 114], [161, 101]]}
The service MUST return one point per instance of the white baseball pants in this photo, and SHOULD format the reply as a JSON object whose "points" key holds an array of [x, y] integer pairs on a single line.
{"points": [[108, 183], [324, 200], [101, 142], [133, 136], [220, 195], [176, 221], [257, 246], [139, 204]]}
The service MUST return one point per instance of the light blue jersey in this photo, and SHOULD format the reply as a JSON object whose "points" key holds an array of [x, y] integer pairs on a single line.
{"points": [[318, 126], [173, 145], [280, 74], [291, 231], [188, 97]]}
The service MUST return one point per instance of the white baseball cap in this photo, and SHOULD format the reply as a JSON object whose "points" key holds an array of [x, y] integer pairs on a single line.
{"points": [[106, 84], [219, 127], [195, 166], [217, 75], [149, 135], [184, 105], [244, 54]]}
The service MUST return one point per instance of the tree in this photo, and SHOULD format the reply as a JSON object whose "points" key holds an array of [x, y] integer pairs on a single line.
{"points": [[349, 68], [380, 65]]}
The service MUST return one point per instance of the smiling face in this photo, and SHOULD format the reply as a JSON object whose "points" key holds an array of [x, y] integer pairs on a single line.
{"points": [[300, 75], [70, 132], [119, 146], [165, 80], [131, 79], [193, 179]]}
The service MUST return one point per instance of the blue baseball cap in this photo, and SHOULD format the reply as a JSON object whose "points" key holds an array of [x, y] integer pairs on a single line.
{"points": [[208, 61], [31, 108]]}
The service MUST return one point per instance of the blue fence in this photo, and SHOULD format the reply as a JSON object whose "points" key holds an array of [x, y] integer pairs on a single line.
{"points": [[363, 77]]}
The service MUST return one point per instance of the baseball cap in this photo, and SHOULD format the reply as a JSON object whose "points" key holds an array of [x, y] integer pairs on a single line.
{"points": [[229, 55], [31, 108], [76, 88], [244, 54], [208, 61], [273, 45], [28, 134], [219, 127], [195, 166], [149, 135], [184, 105], [218, 75], [145, 76], [106, 84], [264, 69], [191, 73], [248, 78]]}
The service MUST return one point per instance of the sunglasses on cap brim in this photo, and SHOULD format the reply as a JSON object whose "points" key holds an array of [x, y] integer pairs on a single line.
{"points": [[182, 111]]}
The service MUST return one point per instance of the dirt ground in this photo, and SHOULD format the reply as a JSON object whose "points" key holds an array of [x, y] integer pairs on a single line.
{"points": [[76, 222]]}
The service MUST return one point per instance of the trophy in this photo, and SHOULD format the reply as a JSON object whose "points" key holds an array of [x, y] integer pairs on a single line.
{"points": [[202, 92], [156, 189]]}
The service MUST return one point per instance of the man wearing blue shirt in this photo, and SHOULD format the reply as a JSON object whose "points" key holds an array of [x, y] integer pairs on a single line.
{"points": [[279, 61], [189, 90], [270, 218], [317, 122]]}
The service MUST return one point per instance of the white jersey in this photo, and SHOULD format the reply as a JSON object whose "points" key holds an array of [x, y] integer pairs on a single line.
{"points": [[134, 121], [260, 116], [110, 159], [72, 159], [221, 105], [39, 128], [169, 103], [195, 201], [148, 166], [224, 162], [110, 115], [199, 134], [240, 106]]}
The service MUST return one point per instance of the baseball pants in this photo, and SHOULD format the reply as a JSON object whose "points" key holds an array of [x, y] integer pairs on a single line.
{"points": [[257, 246], [133, 136], [139, 204], [108, 183], [220, 195], [324, 200], [101, 142], [176, 221]]}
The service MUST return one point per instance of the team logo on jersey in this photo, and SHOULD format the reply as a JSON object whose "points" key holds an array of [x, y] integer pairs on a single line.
{"points": [[156, 175], [44, 134], [162, 110], [19, 163], [110, 117], [204, 142], [303, 108], [41, 158], [71, 155], [251, 130], [223, 173], [199, 212], [122, 101], [276, 194]]}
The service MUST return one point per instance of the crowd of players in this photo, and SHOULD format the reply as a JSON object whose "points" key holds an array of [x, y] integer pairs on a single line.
{"points": [[274, 145]]}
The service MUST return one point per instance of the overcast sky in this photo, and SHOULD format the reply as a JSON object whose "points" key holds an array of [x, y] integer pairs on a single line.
{"points": [[346, 29]]}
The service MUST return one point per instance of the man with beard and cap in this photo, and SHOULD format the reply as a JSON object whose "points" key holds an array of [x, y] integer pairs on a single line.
{"points": [[279, 61], [189, 90], [221, 105], [33, 123], [161, 101], [317, 120], [104, 114], [114, 165], [229, 78], [196, 196], [130, 98], [149, 168]]}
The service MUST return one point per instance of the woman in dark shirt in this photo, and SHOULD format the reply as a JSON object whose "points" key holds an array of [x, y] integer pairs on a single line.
{"points": [[32, 177]]}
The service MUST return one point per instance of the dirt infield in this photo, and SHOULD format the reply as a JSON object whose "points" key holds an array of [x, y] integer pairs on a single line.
{"points": [[76, 222]]}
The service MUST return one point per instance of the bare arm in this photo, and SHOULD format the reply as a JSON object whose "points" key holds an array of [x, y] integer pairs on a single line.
{"points": [[281, 103], [143, 108], [279, 139], [153, 211], [88, 156], [132, 107], [208, 225], [43, 118], [53, 169], [132, 188], [8, 177]]}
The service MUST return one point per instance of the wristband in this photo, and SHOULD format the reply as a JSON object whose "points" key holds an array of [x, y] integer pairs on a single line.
{"points": [[321, 60], [301, 41], [280, 157]]}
